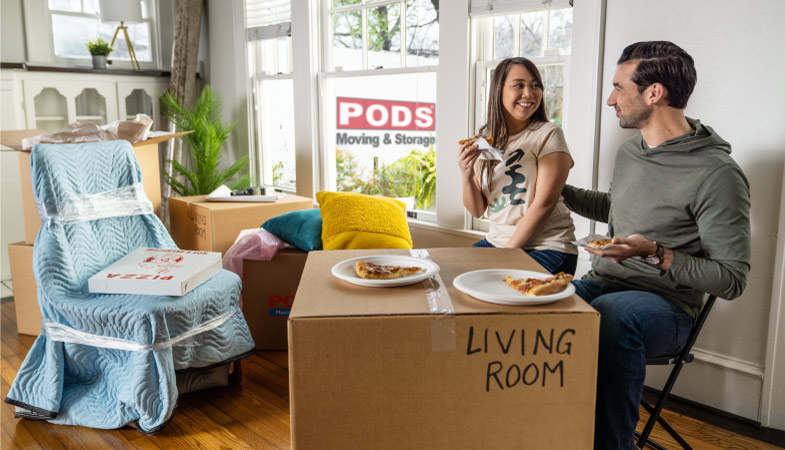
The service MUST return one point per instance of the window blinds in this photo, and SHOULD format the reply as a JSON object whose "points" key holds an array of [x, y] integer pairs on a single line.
{"points": [[488, 7], [266, 19]]}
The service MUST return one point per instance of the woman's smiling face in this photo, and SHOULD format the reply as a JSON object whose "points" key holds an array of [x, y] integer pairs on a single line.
{"points": [[521, 96]]}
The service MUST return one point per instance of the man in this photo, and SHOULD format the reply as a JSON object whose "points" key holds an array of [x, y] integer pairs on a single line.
{"points": [[679, 218]]}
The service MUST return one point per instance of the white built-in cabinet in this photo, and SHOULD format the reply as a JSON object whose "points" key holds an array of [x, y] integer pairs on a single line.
{"points": [[51, 100]]}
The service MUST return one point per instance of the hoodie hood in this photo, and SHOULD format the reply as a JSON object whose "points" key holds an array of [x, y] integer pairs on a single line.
{"points": [[702, 138]]}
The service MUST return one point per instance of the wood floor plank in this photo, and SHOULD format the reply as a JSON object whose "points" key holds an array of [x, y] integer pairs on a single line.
{"points": [[254, 414]]}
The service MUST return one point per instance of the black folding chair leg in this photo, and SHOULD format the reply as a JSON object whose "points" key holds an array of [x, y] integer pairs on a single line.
{"points": [[650, 443], [673, 433], [655, 414]]}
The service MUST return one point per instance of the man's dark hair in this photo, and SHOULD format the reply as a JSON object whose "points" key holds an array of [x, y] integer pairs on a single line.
{"points": [[665, 63]]}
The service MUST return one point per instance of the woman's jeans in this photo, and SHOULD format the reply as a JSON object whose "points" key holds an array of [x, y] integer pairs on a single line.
{"points": [[552, 260], [634, 325]]}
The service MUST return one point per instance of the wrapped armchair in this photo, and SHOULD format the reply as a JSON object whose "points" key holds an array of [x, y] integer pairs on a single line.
{"points": [[101, 360]]}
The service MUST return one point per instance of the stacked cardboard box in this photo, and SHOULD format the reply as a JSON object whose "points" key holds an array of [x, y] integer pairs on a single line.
{"points": [[268, 293], [373, 368], [214, 226]]}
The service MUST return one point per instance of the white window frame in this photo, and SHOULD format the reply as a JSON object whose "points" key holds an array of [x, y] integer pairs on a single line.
{"points": [[45, 20], [328, 158], [484, 48], [454, 75]]}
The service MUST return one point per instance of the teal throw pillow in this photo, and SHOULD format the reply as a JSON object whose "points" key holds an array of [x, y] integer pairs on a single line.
{"points": [[302, 229]]}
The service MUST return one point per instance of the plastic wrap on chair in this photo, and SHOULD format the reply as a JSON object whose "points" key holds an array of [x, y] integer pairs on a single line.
{"points": [[125, 201]]}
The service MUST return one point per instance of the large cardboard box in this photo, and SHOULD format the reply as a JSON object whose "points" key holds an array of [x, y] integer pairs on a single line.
{"points": [[214, 226], [146, 153], [373, 368], [28, 314], [268, 294]]}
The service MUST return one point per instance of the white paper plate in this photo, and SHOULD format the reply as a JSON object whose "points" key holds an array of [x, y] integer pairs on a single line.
{"points": [[344, 270], [584, 241], [488, 285]]}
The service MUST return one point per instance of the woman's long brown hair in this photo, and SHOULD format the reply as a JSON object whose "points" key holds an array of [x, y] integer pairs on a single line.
{"points": [[496, 126]]}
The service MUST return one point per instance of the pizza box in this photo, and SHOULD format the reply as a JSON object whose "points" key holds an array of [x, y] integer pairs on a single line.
{"points": [[156, 271]]}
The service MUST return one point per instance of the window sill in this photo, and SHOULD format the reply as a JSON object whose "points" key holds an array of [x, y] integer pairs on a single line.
{"points": [[414, 223], [85, 69]]}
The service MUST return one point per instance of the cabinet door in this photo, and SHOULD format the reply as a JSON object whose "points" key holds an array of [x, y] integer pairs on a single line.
{"points": [[46, 106], [141, 97], [50, 105]]}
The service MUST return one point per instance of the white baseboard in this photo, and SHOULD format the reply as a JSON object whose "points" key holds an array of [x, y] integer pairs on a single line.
{"points": [[715, 380]]}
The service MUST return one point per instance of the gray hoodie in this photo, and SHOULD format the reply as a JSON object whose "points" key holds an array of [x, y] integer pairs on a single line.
{"points": [[687, 194]]}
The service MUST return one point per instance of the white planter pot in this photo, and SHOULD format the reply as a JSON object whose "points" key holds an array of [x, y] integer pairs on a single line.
{"points": [[99, 62]]}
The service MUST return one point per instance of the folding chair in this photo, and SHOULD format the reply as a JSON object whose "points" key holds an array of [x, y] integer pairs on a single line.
{"points": [[678, 362]]}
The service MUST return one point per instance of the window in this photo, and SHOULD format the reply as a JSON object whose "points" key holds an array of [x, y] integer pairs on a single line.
{"points": [[268, 31], [74, 22], [378, 91], [542, 34]]}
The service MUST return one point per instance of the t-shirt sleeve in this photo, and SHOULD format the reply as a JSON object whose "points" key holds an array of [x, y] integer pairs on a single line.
{"points": [[553, 141]]}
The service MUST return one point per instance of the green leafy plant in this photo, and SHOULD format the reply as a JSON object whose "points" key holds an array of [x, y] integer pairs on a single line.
{"points": [[99, 47], [205, 145], [426, 169]]}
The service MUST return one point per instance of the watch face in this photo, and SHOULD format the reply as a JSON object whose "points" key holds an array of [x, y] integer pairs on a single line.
{"points": [[653, 260]]}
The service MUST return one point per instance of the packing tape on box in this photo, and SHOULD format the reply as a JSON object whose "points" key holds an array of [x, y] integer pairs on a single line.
{"points": [[125, 201], [62, 333], [443, 337]]}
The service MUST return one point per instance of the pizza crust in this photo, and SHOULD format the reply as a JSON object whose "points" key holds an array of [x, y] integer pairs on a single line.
{"points": [[597, 243], [474, 138]]}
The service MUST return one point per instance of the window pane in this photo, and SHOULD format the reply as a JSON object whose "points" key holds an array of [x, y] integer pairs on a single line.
{"points": [[72, 33], [345, 2], [276, 123], [66, 5], [383, 143], [90, 6], [553, 77], [384, 36], [422, 33], [140, 40], [561, 30], [270, 56], [504, 36], [531, 33], [347, 41]]}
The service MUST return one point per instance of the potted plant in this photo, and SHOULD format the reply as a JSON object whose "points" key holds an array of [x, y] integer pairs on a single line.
{"points": [[205, 145], [99, 49]]}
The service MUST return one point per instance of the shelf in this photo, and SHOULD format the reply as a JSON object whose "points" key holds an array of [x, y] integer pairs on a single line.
{"points": [[50, 118]]}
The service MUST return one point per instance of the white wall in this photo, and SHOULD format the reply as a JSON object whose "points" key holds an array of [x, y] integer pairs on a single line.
{"points": [[738, 48], [227, 74], [12, 48]]}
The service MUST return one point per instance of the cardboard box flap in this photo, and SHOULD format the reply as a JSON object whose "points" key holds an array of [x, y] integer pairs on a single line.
{"points": [[221, 206], [161, 138], [13, 138], [320, 294]]}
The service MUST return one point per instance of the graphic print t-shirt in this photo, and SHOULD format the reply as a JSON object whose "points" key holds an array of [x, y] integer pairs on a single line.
{"points": [[513, 188]]}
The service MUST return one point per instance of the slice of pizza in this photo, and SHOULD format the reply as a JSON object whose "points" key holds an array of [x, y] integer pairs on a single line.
{"points": [[540, 286], [597, 243], [372, 271], [474, 138]]}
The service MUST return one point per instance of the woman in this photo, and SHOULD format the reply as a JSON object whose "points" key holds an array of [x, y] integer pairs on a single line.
{"points": [[522, 192]]}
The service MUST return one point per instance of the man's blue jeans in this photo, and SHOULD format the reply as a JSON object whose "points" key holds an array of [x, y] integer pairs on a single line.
{"points": [[552, 260], [634, 325]]}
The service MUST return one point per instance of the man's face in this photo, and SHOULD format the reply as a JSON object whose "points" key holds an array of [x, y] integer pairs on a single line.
{"points": [[630, 105]]}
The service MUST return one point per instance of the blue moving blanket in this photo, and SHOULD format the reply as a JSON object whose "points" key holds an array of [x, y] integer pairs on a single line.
{"points": [[99, 385]]}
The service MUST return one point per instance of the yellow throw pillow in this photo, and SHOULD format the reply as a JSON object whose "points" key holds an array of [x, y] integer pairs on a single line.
{"points": [[351, 220]]}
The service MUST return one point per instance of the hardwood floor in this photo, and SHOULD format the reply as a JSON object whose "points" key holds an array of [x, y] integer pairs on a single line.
{"points": [[252, 415]]}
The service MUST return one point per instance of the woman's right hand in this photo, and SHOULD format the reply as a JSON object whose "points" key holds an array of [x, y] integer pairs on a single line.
{"points": [[467, 156]]}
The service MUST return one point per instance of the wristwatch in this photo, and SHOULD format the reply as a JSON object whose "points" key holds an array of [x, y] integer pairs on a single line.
{"points": [[655, 259]]}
